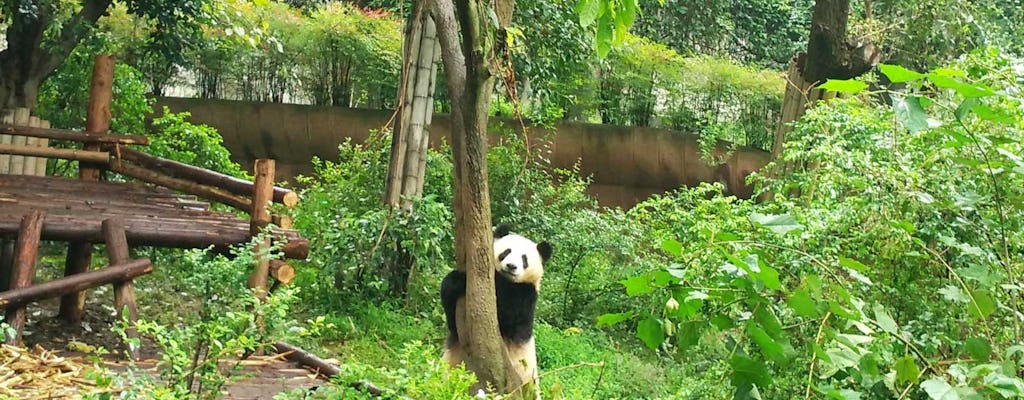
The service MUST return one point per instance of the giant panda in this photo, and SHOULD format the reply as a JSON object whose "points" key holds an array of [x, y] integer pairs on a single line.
{"points": [[519, 268]]}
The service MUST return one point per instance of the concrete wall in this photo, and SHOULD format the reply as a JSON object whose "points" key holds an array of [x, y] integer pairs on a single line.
{"points": [[627, 164]]}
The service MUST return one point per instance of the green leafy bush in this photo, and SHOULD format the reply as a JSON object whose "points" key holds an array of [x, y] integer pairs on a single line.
{"points": [[887, 264]]}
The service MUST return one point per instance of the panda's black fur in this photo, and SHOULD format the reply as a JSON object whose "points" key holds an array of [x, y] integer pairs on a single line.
{"points": [[517, 283]]}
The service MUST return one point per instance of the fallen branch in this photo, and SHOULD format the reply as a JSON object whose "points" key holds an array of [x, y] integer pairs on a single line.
{"points": [[321, 366]]}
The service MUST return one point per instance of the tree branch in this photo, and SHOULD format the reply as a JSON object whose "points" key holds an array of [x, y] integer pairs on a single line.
{"points": [[452, 57], [71, 34]]}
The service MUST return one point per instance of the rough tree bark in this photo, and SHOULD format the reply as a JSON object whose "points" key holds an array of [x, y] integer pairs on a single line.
{"points": [[411, 135], [25, 64], [470, 68]]}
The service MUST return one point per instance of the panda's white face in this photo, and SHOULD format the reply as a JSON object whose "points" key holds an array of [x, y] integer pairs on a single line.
{"points": [[519, 258]]}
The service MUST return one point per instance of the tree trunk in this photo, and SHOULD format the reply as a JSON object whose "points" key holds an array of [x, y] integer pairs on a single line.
{"points": [[25, 64], [411, 134], [468, 62]]}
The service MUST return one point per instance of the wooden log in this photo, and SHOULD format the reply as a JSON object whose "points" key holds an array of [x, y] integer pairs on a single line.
{"points": [[283, 221], [204, 176], [70, 135], [22, 116], [203, 191], [19, 151], [25, 251], [77, 261], [6, 262], [97, 116], [321, 366], [76, 283], [260, 218], [124, 291], [7, 118], [282, 271]]}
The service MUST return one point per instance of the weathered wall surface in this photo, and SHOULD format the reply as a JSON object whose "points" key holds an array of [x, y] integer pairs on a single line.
{"points": [[627, 164]]}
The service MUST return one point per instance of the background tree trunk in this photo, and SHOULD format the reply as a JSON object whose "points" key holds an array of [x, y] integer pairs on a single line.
{"points": [[411, 135], [468, 62]]}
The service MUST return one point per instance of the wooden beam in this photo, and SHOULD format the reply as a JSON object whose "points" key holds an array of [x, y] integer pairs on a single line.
{"points": [[97, 116], [76, 283], [95, 157], [204, 176], [321, 366], [203, 191], [25, 251], [124, 290], [73, 136]]}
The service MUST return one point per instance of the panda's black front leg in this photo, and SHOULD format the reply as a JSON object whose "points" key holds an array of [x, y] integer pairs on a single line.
{"points": [[453, 287]]}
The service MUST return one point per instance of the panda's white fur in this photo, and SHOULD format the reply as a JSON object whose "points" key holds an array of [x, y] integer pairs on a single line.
{"points": [[519, 269]]}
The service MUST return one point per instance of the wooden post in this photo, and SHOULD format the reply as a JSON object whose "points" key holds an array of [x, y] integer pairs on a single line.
{"points": [[97, 117], [78, 260], [263, 192], [124, 291], [30, 162], [25, 251], [17, 165], [6, 262], [262, 196], [97, 120]]}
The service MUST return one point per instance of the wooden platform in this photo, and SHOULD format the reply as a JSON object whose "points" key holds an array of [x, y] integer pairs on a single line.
{"points": [[153, 216]]}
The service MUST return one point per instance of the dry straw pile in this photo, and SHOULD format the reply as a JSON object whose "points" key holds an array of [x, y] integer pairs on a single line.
{"points": [[42, 374]]}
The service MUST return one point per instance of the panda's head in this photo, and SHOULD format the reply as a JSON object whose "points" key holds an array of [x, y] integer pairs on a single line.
{"points": [[521, 260]]}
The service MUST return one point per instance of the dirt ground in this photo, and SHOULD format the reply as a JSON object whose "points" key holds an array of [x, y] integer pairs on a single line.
{"points": [[262, 377]]}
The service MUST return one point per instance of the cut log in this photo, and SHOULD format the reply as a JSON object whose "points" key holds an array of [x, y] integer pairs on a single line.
{"points": [[75, 283], [203, 191], [124, 291], [263, 188], [16, 150], [282, 271], [25, 251], [283, 221], [204, 176], [7, 118], [74, 136]]}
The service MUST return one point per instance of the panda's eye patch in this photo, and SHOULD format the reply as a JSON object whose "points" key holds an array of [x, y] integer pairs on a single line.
{"points": [[526, 264], [504, 254]]}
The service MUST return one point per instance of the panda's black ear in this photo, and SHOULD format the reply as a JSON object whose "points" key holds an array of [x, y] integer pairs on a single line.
{"points": [[501, 231], [544, 248]]}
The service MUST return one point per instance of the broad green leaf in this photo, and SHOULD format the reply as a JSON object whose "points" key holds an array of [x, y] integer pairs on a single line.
{"points": [[938, 389], [884, 320], [844, 85], [853, 264], [746, 371], [869, 365], [965, 107], [769, 347], [778, 223], [982, 306], [802, 304], [672, 246], [898, 74], [910, 114], [993, 115], [637, 285], [769, 277], [588, 10], [651, 332], [689, 334], [1006, 386], [964, 89], [605, 27], [906, 370], [767, 320], [612, 319], [978, 348]]}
